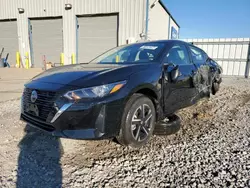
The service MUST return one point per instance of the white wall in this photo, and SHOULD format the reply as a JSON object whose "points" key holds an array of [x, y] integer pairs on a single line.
{"points": [[230, 53], [158, 25]]}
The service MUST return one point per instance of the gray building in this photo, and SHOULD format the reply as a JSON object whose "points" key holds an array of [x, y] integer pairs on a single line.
{"points": [[78, 29]]}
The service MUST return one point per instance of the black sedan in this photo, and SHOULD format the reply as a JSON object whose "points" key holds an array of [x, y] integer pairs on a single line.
{"points": [[121, 94]]}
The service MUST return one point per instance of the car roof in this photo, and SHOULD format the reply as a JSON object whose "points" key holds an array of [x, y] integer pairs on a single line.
{"points": [[161, 41], [169, 41]]}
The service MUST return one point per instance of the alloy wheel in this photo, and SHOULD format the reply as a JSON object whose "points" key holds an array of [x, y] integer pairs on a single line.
{"points": [[141, 123]]}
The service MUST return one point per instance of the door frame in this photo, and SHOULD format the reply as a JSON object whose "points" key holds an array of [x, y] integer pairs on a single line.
{"points": [[32, 63], [168, 47], [18, 45]]}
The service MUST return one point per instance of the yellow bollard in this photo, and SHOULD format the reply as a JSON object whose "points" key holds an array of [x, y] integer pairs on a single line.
{"points": [[62, 59], [117, 58], [18, 65], [27, 60], [73, 58]]}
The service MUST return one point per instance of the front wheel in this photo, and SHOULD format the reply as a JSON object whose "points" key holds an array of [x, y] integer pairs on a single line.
{"points": [[138, 121]]}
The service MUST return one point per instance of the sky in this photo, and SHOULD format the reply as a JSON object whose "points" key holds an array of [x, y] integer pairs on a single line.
{"points": [[211, 18]]}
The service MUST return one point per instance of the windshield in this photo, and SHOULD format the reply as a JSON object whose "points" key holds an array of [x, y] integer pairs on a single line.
{"points": [[135, 53]]}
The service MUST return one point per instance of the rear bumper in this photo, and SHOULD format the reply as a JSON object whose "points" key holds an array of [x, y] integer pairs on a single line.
{"points": [[83, 121]]}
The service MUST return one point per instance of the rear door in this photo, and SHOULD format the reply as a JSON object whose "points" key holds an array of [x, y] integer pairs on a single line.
{"points": [[202, 78], [179, 94]]}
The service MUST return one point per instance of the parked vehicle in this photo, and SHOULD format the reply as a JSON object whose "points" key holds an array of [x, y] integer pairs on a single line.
{"points": [[123, 93]]}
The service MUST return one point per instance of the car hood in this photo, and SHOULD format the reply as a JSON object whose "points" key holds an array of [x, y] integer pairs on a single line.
{"points": [[86, 75]]}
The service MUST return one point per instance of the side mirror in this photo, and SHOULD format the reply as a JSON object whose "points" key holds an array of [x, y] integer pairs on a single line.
{"points": [[175, 73], [172, 72]]}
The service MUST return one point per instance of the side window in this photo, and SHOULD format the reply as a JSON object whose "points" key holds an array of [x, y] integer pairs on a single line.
{"points": [[145, 55], [177, 55], [198, 55], [205, 56]]}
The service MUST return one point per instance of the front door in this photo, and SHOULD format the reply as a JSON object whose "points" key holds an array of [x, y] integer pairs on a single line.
{"points": [[179, 93]]}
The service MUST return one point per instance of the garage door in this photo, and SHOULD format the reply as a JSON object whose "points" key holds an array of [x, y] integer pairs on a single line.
{"points": [[96, 35], [9, 40], [46, 40]]}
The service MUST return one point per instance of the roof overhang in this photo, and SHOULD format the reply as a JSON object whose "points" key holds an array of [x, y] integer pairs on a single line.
{"points": [[165, 8]]}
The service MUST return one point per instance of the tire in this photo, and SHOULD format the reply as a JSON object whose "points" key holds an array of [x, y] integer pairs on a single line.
{"points": [[215, 88], [137, 129], [169, 127]]}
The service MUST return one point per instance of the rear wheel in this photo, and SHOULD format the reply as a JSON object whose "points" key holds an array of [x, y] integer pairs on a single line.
{"points": [[215, 88], [138, 121]]}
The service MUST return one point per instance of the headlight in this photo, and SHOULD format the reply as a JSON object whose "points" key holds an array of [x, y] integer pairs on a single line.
{"points": [[95, 92]]}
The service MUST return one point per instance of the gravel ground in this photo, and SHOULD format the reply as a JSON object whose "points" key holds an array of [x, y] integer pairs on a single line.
{"points": [[212, 149]]}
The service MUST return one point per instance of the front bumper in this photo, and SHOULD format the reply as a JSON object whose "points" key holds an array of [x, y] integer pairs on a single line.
{"points": [[83, 120]]}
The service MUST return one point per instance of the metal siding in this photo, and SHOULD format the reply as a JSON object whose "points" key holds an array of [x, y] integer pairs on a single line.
{"points": [[129, 25], [126, 22], [124, 8], [9, 40], [244, 51], [45, 8], [8, 9], [46, 40], [95, 36]]}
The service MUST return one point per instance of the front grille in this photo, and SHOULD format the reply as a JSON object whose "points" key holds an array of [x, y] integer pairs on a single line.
{"points": [[37, 123], [44, 103]]}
